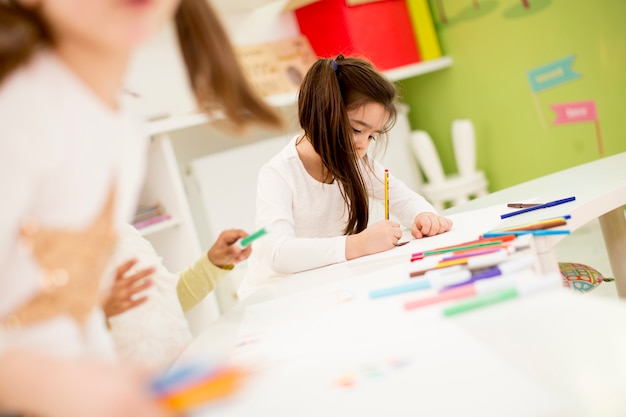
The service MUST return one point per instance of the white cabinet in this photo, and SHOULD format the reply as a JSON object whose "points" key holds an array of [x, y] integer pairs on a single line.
{"points": [[175, 239]]}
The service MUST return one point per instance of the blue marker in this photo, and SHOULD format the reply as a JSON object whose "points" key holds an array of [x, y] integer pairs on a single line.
{"points": [[540, 232], [541, 206], [436, 281]]}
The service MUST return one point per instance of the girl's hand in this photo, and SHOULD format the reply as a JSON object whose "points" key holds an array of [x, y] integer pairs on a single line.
{"points": [[378, 237], [430, 224], [122, 295], [224, 252]]}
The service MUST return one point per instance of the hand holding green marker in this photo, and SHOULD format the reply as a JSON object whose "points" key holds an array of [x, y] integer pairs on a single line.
{"points": [[243, 243]]}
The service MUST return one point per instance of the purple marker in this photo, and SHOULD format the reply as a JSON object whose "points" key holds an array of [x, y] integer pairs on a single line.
{"points": [[496, 271]]}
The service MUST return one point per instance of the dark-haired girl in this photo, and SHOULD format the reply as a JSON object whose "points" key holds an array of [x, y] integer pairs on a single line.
{"points": [[315, 193]]}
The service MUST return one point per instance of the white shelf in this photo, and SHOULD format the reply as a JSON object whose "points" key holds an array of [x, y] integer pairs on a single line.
{"points": [[420, 68], [283, 100], [176, 122], [183, 121], [157, 227]]}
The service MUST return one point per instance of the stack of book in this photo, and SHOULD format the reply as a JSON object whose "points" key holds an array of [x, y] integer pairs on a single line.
{"points": [[149, 214]]}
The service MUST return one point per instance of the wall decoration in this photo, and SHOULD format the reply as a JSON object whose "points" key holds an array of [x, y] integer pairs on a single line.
{"points": [[582, 111], [550, 75], [488, 83]]}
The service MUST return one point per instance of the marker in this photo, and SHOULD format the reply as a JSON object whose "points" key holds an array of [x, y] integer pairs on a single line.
{"points": [[222, 384], [461, 246], [540, 206], [484, 260], [180, 378], [540, 232], [501, 253], [464, 254], [542, 224], [465, 291], [522, 205], [418, 256], [524, 287], [504, 268], [437, 281], [386, 194], [399, 289], [242, 243]]}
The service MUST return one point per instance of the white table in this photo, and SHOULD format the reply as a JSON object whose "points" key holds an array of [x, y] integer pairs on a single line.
{"points": [[318, 346], [600, 191]]}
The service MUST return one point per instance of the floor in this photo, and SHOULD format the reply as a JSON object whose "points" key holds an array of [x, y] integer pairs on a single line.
{"points": [[586, 246]]}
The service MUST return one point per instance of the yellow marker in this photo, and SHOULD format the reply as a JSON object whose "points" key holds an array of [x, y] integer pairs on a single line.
{"points": [[386, 194]]}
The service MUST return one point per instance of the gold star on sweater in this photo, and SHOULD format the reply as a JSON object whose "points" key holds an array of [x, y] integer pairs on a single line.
{"points": [[72, 262]]}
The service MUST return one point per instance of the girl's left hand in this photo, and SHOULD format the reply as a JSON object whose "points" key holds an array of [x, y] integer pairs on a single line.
{"points": [[430, 224]]}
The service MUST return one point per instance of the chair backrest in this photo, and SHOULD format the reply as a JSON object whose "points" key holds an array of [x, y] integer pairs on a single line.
{"points": [[427, 157], [464, 145]]}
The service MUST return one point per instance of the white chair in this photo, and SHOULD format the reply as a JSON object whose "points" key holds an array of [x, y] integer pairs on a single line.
{"points": [[443, 190]]}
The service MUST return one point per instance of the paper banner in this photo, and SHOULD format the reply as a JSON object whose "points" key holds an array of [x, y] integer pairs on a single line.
{"points": [[552, 74], [582, 111], [576, 112]]}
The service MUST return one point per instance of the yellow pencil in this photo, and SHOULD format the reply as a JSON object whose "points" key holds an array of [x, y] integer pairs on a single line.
{"points": [[386, 194]]}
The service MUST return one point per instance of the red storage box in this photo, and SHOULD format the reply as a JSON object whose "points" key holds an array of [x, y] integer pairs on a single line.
{"points": [[380, 31]]}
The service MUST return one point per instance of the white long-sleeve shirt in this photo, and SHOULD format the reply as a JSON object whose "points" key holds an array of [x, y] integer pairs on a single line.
{"points": [[61, 149], [308, 217]]}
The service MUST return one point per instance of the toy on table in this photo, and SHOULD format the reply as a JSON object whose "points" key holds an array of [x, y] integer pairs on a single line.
{"points": [[580, 278]]}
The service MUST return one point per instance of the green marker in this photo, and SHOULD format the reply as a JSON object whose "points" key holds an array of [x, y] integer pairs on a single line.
{"points": [[481, 301], [487, 295], [242, 243]]}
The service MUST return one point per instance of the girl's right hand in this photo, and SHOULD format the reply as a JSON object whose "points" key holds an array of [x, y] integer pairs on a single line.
{"points": [[379, 237]]}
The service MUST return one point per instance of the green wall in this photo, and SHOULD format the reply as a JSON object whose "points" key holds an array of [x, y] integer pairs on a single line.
{"points": [[494, 46]]}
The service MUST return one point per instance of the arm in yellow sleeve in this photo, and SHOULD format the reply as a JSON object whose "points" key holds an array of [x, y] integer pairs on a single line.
{"points": [[197, 281]]}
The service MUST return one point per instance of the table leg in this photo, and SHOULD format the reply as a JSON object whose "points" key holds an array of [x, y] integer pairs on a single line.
{"points": [[546, 256], [613, 226]]}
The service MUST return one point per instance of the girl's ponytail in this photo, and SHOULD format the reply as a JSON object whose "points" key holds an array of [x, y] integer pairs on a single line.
{"points": [[324, 118], [21, 33], [214, 71]]}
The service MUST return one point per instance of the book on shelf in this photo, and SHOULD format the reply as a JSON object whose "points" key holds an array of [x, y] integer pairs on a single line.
{"points": [[152, 220], [149, 214]]}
